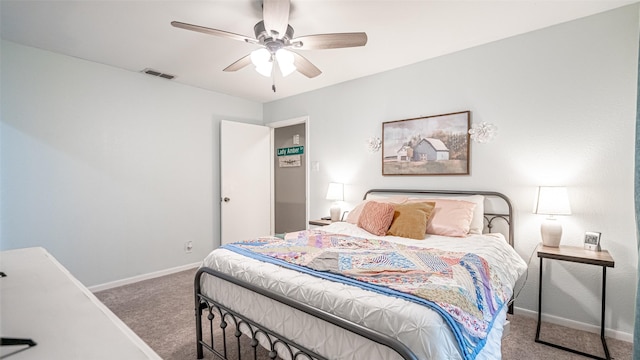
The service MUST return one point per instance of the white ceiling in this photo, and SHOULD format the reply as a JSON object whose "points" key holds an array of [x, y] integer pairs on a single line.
{"points": [[135, 35]]}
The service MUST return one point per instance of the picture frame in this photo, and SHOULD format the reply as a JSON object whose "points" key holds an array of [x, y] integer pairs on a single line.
{"points": [[592, 240], [429, 145]]}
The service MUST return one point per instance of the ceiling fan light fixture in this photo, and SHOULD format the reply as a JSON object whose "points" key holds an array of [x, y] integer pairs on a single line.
{"points": [[273, 33], [260, 56], [285, 62], [265, 69], [263, 62]]}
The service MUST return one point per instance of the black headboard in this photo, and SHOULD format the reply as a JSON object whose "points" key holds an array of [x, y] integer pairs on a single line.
{"points": [[496, 205]]}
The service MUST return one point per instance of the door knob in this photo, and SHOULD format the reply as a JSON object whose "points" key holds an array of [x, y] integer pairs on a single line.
{"points": [[226, 199]]}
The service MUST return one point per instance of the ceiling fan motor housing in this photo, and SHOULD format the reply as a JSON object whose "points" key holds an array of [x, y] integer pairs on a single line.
{"points": [[270, 41]]}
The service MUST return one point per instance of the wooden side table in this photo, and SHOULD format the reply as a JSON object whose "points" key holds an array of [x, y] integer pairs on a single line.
{"points": [[577, 255], [320, 222]]}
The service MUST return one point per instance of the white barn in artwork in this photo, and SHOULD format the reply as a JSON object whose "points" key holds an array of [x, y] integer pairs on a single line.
{"points": [[403, 153]]}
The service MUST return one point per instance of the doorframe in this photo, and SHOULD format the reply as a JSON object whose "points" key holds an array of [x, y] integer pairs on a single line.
{"points": [[284, 123]]}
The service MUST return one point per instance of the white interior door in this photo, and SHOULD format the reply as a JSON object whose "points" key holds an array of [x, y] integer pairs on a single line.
{"points": [[245, 181]]}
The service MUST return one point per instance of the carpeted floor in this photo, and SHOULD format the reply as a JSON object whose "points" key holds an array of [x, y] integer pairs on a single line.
{"points": [[161, 312]]}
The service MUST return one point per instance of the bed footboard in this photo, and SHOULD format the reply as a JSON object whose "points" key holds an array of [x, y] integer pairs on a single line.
{"points": [[276, 342]]}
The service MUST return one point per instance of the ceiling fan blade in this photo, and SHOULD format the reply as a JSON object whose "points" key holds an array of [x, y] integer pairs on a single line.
{"points": [[239, 64], [329, 41], [304, 66], [275, 14], [210, 31]]}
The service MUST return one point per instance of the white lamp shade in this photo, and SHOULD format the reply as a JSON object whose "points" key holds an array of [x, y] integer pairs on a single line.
{"points": [[552, 200], [335, 192], [261, 58], [285, 62], [265, 69]]}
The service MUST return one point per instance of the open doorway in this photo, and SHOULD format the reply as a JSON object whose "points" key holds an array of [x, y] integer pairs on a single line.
{"points": [[290, 164]]}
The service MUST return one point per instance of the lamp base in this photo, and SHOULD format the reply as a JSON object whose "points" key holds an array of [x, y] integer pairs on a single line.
{"points": [[551, 231], [335, 213]]}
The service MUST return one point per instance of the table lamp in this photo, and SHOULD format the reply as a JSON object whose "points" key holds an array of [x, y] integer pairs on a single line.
{"points": [[335, 193], [552, 200]]}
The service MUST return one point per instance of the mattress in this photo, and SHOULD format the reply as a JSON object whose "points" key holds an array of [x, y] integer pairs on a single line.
{"points": [[423, 330]]}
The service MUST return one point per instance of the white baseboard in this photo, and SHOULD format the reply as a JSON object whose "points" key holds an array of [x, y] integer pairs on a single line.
{"points": [[135, 279], [506, 329], [614, 334]]}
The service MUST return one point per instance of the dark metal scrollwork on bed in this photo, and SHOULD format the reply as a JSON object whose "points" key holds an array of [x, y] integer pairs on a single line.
{"points": [[295, 351], [208, 310], [505, 214]]}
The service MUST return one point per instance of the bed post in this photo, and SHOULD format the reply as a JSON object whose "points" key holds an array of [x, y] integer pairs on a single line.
{"points": [[198, 313]]}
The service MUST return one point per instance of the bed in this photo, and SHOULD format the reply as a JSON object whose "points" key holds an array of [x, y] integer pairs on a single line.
{"points": [[430, 281]]}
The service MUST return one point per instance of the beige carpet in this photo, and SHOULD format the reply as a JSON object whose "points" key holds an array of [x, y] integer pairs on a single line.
{"points": [[161, 312]]}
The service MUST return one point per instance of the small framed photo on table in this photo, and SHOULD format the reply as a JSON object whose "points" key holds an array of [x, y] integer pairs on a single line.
{"points": [[592, 240]]}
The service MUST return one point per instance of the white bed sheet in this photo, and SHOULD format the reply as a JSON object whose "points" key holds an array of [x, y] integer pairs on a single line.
{"points": [[420, 328]]}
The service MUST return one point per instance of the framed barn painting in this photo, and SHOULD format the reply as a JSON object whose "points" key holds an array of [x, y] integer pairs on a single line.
{"points": [[430, 145]]}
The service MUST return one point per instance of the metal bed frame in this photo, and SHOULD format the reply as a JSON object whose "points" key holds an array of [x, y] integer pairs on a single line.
{"points": [[275, 342]]}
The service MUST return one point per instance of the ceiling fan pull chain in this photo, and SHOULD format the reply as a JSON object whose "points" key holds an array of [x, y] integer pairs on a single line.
{"points": [[273, 85]]}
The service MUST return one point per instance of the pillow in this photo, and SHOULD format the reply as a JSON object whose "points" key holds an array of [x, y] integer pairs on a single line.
{"points": [[410, 220], [477, 223], [376, 217], [451, 218], [353, 215]]}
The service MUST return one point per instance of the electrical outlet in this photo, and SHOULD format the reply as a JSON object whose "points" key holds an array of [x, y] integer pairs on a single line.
{"points": [[188, 246]]}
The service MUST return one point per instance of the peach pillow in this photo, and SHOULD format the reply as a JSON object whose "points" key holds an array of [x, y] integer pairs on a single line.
{"points": [[410, 220], [451, 218], [376, 217], [353, 215], [477, 224]]}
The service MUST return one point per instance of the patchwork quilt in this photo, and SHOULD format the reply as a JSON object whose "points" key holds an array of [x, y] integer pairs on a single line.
{"points": [[461, 287]]}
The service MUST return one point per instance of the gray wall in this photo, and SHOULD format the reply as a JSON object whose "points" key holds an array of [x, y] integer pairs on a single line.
{"points": [[111, 171], [289, 186], [563, 99]]}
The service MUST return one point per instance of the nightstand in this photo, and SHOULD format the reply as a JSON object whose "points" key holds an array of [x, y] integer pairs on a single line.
{"points": [[320, 222], [577, 255]]}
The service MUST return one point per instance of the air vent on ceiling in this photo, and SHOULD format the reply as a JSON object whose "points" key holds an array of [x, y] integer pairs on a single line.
{"points": [[149, 71]]}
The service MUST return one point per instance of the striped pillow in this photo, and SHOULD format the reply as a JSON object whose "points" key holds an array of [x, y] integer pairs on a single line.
{"points": [[376, 217]]}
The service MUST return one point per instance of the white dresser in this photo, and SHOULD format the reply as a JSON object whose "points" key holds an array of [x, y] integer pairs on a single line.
{"points": [[42, 301]]}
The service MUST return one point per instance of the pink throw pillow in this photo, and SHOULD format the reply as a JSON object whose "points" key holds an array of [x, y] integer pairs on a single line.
{"points": [[376, 217], [353, 215], [451, 218]]}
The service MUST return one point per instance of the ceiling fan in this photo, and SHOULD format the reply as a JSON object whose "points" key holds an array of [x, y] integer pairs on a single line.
{"points": [[275, 36]]}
